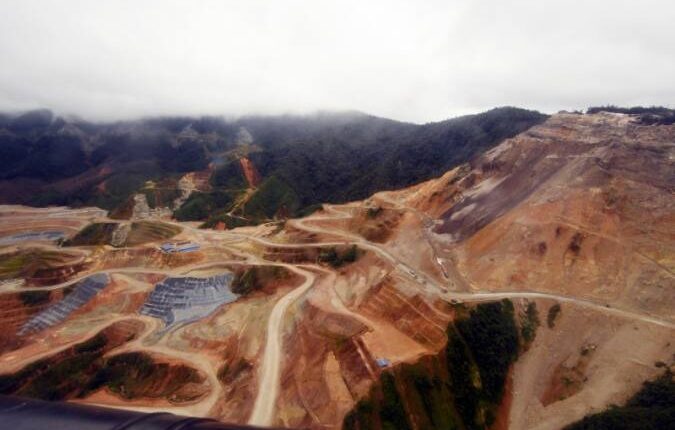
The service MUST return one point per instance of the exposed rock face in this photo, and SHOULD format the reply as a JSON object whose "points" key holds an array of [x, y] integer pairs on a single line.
{"points": [[186, 187], [569, 153], [141, 207], [119, 236], [190, 182], [250, 172], [143, 211], [581, 205]]}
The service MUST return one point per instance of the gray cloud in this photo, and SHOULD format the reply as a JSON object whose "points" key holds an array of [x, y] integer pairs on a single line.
{"points": [[409, 60]]}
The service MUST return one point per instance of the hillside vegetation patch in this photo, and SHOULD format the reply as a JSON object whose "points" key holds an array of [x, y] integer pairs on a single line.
{"points": [[460, 388], [651, 408]]}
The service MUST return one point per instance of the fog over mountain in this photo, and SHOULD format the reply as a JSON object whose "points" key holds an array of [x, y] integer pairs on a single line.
{"points": [[405, 60], [337, 215]]}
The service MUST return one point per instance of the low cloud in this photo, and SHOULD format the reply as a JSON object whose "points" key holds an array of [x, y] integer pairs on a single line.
{"points": [[409, 60]]}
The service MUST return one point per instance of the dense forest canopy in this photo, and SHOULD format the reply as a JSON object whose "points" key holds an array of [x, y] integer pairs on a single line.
{"points": [[303, 160], [646, 115]]}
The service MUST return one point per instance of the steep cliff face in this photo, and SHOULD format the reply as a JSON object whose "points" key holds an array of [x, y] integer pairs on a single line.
{"points": [[250, 172], [580, 205], [580, 208]]}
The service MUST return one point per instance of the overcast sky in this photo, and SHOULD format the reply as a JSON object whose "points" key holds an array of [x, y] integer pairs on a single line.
{"points": [[417, 61]]}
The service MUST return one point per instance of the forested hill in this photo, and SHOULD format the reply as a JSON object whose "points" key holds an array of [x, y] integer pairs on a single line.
{"points": [[301, 160], [354, 159]]}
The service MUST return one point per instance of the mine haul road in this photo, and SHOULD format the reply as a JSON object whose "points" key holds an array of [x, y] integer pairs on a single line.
{"points": [[269, 372], [268, 386], [269, 375], [424, 279]]}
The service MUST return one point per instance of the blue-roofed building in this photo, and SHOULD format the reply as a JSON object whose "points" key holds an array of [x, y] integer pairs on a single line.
{"points": [[383, 362], [167, 247], [171, 247]]}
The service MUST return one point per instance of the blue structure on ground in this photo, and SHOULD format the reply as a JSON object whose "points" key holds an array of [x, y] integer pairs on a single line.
{"points": [[183, 300], [84, 291], [383, 362], [171, 247], [51, 235]]}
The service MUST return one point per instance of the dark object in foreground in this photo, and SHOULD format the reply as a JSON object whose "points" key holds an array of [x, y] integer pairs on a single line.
{"points": [[20, 413]]}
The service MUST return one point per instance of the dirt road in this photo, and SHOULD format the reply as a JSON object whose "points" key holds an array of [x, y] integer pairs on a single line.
{"points": [[271, 363], [270, 369]]}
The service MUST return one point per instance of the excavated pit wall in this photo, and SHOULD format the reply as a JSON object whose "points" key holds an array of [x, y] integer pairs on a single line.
{"points": [[182, 300], [51, 235]]}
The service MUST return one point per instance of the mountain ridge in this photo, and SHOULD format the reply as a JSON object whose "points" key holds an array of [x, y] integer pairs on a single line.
{"points": [[323, 157]]}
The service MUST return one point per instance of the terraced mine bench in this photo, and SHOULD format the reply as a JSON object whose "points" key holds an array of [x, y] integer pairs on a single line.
{"points": [[51, 235], [182, 300], [84, 291]]}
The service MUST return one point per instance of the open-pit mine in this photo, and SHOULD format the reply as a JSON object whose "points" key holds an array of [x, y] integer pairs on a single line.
{"points": [[526, 289]]}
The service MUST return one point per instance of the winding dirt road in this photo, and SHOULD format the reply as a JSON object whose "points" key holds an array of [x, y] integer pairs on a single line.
{"points": [[270, 369]]}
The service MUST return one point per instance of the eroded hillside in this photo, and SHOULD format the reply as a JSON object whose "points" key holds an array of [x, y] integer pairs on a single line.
{"points": [[525, 289], [581, 207]]}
